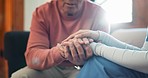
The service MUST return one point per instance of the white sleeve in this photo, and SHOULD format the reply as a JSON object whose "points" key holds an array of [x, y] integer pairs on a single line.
{"points": [[109, 40], [133, 59], [145, 45]]}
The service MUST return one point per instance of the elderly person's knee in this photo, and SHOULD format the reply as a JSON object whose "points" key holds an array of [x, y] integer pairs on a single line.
{"points": [[27, 73]]}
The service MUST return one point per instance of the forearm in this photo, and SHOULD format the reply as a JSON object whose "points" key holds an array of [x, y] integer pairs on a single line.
{"points": [[41, 59], [111, 41], [133, 59]]}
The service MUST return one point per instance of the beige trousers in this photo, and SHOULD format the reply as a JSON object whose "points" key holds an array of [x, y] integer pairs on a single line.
{"points": [[55, 72]]}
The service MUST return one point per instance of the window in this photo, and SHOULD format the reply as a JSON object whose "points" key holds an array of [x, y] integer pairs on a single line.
{"points": [[118, 11]]}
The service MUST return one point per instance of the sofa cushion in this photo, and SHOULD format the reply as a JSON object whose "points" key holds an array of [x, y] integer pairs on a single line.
{"points": [[134, 36]]}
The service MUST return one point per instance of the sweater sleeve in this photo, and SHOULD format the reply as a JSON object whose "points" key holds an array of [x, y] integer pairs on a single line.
{"points": [[145, 45], [39, 54], [133, 59], [109, 40]]}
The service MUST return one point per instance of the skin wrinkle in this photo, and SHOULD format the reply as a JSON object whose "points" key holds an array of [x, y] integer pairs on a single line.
{"points": [[78, 48], [87, 48]]}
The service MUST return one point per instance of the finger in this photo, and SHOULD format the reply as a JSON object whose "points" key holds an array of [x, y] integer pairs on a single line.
{"points": [[74, 54], [83, 34], [88, 51], [80, 41], [60, 47], [71, 36], [80, 50], [74, 34], [85, 40], [67, 50], [90, 40], [67, 53], [66, 43], [68, 38]]}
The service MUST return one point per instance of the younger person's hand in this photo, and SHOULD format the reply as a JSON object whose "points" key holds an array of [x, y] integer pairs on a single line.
{"points": [[89, 34]]}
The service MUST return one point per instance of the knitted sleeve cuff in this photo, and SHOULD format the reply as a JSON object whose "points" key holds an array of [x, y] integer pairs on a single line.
{"points": [[101, 35], [94, 46]]}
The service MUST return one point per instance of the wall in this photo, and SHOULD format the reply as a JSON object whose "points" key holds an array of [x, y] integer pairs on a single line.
{"points": [[30, 6], [140, 16]]}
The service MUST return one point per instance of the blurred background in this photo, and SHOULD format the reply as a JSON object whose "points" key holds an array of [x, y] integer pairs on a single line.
{"points": [[15, 15]]}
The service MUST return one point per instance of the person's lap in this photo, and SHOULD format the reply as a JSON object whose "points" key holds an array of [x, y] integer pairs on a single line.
{"points": [[99, 67], [55, 72], [95, 67]]}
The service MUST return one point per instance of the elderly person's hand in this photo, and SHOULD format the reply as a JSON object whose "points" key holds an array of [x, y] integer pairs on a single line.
{"points": [[75, 52], [85, 35]]}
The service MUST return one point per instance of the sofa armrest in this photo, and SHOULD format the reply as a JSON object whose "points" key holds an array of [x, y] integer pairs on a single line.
{"points": [[15, 43]]}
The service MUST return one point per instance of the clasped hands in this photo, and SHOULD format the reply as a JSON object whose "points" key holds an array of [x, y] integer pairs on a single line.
{"points": [[76, 48]]}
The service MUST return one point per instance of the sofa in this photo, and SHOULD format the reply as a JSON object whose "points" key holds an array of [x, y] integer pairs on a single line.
{"points": [[135, 36], [15, 44], [14, 47]]}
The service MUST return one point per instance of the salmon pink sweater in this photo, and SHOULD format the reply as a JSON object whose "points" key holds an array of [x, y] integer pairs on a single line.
{"points": [[49, 27]]}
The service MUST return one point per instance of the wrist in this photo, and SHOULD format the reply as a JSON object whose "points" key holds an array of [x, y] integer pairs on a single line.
{"points": [[96, 36], [95, 47], [61, 49], [102, 36]]}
